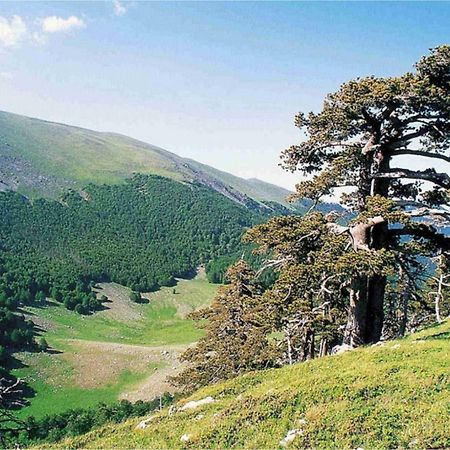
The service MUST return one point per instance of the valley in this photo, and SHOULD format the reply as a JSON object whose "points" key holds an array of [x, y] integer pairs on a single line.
{"points": [[125, 351]]}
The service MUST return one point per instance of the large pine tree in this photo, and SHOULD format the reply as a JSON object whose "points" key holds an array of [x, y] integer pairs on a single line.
{"points": [[359, 142]]}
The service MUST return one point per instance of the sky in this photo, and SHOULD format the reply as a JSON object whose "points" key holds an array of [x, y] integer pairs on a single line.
{"points": [[219, 82]]}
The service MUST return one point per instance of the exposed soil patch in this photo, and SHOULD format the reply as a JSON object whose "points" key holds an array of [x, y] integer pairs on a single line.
{"points": [[98, 363], [119, 307]]}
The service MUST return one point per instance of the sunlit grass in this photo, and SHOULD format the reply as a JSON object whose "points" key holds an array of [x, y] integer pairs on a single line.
{"points": [[396, 395]]}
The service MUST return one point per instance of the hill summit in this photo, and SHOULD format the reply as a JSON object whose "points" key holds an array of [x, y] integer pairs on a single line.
{"points": [[42, 159]]}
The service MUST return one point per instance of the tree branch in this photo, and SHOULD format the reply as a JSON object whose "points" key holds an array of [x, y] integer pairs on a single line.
{"points": [[421, 153], [425, 232], [440, 179]]}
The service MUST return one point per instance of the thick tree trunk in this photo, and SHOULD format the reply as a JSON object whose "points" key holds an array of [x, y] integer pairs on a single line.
{"points": [[375, 308], [366, 312], [356, 328]]}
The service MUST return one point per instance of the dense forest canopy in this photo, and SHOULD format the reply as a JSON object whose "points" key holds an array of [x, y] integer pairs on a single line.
{"points": [[141, 234]]}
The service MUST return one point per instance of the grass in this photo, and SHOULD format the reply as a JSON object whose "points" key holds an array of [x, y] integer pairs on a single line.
{"points": [[395, 395], [108, 354], [160, 322]]}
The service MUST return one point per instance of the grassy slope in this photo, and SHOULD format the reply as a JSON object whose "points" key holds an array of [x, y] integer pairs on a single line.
{"points": [[47, 157], [105, 355], [390, 396], [252, 187]]}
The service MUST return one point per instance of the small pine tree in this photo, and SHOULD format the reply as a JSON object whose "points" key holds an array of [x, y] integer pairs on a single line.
{"points": [[42, 345], [237, 329], [136, 297]]}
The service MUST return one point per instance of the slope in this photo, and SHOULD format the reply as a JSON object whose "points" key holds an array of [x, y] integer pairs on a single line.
{"points": [[394, 395], [41, 158]]}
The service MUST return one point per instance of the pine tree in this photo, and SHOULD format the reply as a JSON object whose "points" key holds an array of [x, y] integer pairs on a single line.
{"points": [[355, 143], [237, 326]]}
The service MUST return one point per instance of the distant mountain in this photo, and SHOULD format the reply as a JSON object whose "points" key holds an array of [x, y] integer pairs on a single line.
{"points": [[42, 159]]}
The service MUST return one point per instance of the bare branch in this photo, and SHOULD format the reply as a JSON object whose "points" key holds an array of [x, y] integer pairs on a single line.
{"points": [[421, 153], [438, 178]]}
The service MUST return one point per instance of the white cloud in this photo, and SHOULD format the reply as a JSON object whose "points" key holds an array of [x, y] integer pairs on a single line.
{"points": [[55, 24], [39, 38], [119, 9], [6, 76], [12, 32]]}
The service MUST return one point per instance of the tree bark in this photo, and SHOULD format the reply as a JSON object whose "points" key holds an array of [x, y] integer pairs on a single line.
{"points": [[356, 328], [375, 308], [366, 312]]}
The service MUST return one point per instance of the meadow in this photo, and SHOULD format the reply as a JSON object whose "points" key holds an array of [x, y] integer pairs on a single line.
{"points": [[125, 351], [392, 395]]}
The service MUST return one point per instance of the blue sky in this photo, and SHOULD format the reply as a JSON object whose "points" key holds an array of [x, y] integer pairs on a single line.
{"points": [[218, 82]]}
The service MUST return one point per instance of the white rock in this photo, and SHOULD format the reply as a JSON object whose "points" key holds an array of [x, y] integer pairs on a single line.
{"points": [[185, 438], [339, 349], [290, 436], [145, 423], [195, 404], [395, 346]]}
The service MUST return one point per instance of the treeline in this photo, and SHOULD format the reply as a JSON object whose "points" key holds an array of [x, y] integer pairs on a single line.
{"points": [[16, 332], [141, 234], [53, 428]]}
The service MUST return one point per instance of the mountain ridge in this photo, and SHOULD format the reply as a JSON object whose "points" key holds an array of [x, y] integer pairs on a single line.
{"points": [[42, 158]]}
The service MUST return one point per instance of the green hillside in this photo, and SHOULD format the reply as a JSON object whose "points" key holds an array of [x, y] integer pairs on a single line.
{"points": [[393, 395], [40, 158], [141, 234]]}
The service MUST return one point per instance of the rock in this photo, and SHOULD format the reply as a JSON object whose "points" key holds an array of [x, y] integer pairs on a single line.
{"points": [[145, 423], [339, 349], [185, 438], [199, 417], [195, 404], [394, 347], [290, 436]]}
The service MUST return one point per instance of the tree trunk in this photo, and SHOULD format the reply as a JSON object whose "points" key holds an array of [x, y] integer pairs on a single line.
{"points": [[375, 308], [366, 312], [377, 285], [356, 328]]}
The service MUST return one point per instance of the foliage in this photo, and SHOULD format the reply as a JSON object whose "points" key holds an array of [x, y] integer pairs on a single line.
{"points": [[353, 144], [136, 297], [16, 332], [237, 329], [141, 234], [74, 422]]}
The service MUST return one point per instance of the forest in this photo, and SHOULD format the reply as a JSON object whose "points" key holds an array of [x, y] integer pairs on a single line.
{"points": [[141, 234]]}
